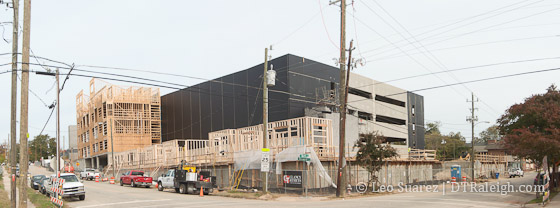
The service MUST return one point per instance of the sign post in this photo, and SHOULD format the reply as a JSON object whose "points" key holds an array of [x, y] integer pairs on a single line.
{"points": [[265, 166], [305, 158]]}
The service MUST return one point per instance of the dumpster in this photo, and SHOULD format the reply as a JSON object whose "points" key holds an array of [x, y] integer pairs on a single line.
{"points": [[497, 175], [456, 171]]}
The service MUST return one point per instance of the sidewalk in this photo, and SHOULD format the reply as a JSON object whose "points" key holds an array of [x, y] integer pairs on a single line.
{"points": [[6, 179]]}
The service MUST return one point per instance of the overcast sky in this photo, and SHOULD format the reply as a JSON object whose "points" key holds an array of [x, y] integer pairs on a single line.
{"points": [[209, 39]]}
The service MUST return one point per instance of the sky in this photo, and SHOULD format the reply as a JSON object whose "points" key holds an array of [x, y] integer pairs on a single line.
{"points": [[209, 39]]}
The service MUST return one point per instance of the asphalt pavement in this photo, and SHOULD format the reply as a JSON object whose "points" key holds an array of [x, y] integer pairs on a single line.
{"points": [[104, 195]]}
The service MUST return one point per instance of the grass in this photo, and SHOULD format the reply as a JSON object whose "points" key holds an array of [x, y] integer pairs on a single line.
{"points": [[240, 194], [40, 200], [4, 199], [539, 200]]}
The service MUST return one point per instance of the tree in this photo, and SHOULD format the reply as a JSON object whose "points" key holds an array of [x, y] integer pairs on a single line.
{"points": [[42, 146], [449, 146], [433, 128], [491, 133], [372, 153], [531, 129]]}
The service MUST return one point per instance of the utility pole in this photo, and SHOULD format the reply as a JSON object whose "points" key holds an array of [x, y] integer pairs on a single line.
{"points": [[265, 116], [57, 124], [24, 135], [472, 119], [13, 115], [340, 186]]}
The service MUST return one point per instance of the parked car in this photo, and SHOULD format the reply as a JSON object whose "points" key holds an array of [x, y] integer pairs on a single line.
{"points": [[89, 174], [42, 185], [136, 178], [35, 181], [516, 172], [71, 187]]}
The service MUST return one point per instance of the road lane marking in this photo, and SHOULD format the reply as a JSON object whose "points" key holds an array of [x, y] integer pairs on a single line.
{"points": [[128, 202]]}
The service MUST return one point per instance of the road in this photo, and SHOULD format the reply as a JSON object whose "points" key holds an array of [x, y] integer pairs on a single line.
{"points": [[107, 195]]}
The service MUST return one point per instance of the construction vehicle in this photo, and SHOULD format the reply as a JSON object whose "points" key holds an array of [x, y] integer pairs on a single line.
{"points": [[187, 179]]}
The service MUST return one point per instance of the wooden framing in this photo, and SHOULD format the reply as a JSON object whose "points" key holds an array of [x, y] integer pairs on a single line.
{"points": [[219, 148], [133, 112]]}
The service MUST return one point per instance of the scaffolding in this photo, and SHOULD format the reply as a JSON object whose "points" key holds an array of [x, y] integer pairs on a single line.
{"points": [[131, 115]]}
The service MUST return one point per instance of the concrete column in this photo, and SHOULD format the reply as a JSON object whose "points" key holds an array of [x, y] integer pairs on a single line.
{"points": [[97, 162]]}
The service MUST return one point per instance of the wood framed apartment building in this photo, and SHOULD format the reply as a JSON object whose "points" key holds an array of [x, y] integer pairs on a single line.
{"points": [[131, 115]]}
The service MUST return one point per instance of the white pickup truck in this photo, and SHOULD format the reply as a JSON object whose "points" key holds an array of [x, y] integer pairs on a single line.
{"points": [[89, 174], [72, 187], [515, 172]]}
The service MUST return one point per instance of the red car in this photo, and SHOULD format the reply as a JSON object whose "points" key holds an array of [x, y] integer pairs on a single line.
{"points": [[136, 178]]}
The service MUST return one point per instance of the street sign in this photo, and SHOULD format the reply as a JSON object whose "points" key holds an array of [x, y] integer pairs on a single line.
{"points": [[304, 157], [265, 160]]}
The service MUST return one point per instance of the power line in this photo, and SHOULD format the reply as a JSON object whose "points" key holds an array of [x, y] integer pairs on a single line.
{"points": [[463, 20], [474, 31], [325, 26], [480, 80], [296, 30]]}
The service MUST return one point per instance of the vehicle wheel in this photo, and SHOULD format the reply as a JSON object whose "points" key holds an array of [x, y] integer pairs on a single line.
{"points": [[132, 183], [159, 187], [177, 190], [147, 186], [190, 188], [206, 191], [121, 183], [182, 189], [82, 197]]}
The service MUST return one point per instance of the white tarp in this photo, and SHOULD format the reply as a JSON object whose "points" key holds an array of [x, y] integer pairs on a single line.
{"points": [[292, 154], [247, 160]]}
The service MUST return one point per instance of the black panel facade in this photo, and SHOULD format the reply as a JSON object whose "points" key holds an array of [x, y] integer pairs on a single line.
{"points": [[416, 129], [235, 100]]}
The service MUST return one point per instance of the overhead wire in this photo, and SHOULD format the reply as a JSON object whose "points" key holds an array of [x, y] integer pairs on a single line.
{"points": [[478, 30], [435, 59], [462, 20], [325, 26]]}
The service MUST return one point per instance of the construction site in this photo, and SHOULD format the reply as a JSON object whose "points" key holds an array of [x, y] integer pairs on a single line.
{"points": [[215, 126], [115, 118]]}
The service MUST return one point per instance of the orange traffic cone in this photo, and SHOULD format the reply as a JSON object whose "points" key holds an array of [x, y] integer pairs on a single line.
{"points": [[201, 194], [156, 185]]}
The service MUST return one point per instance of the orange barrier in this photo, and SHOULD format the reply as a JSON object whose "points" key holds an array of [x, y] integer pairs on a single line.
{"points": [[97, 179], [112, 181], [464, 179], [453, 180]]}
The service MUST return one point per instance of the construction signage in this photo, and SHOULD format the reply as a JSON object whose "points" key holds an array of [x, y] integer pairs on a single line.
{"points": [[57, 189], [293, 179], [56, 201]]}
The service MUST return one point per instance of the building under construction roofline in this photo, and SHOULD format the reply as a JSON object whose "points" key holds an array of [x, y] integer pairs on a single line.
{"points": [[131, 115]]}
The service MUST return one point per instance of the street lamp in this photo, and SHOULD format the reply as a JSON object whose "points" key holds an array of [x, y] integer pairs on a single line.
{"points": [[472, 148], [57, 117]]}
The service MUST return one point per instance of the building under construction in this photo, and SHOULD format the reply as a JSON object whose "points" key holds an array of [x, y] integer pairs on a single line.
{"points": [[118, 117]]}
